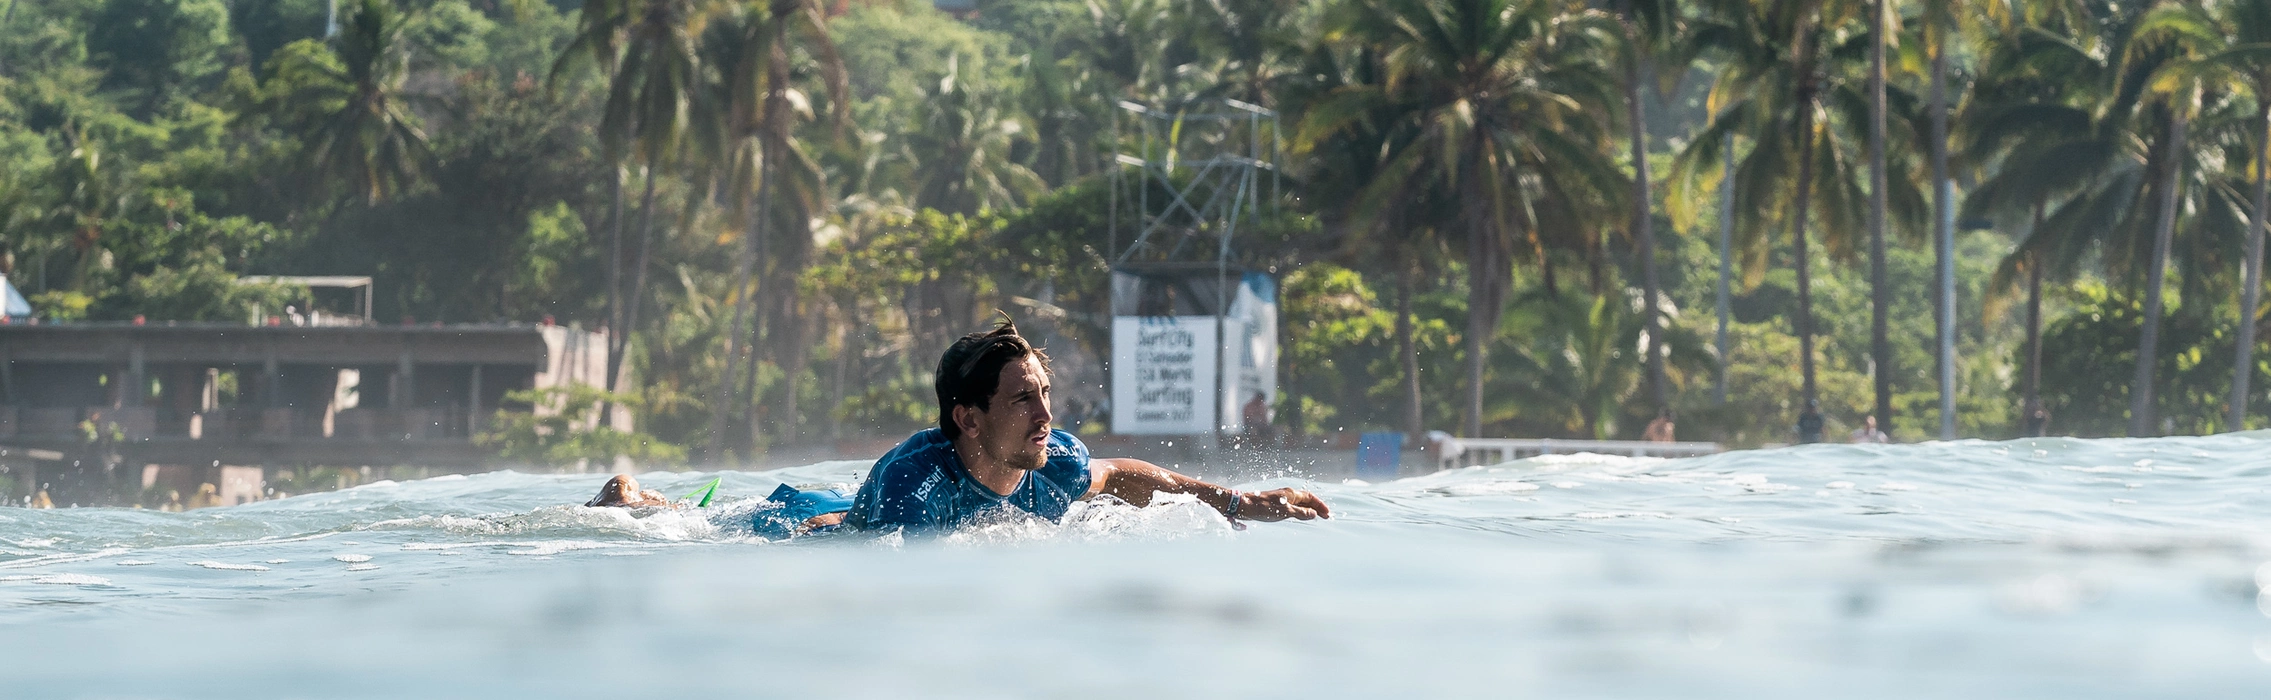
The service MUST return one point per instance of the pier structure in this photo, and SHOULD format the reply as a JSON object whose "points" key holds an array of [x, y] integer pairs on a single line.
{"points": [[197, 403]]}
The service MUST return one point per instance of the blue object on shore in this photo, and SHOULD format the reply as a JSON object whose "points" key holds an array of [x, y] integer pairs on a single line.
{"points": [[1379, 455], [796, 507]]}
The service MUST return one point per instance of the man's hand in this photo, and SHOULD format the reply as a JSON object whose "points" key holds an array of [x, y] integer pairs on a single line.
{"points": [[1134, 481], [1282, 504]]}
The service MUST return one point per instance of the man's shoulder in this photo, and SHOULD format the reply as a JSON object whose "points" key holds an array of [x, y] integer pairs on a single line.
{"points": [[921, 455], [924, 444]]}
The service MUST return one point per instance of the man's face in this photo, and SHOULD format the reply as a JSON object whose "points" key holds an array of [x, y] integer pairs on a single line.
{"points": [[1014, 429]]}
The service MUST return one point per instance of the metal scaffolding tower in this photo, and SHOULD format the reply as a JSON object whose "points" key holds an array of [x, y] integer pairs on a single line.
{"points": [[1195, 176], [1203, 166]]}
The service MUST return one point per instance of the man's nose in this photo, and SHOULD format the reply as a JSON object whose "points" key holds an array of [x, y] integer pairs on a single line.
{"points": [[1047, 416]]}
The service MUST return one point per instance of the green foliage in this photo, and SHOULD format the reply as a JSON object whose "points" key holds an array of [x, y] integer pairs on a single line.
{"points": [[61, 304], [155, 50], [265, 27], [2088, 358], [895, 53], [152, 152], [563, 431], [925, 275], [1334, 332], [1576, 362]]}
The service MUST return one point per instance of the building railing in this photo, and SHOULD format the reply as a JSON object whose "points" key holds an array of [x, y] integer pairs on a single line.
{"points": [[1462, 452], [242, 424]]}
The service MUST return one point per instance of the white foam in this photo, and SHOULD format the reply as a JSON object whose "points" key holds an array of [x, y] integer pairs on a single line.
{"points": [[223, 566], [1169, 517], [548, 548], [351, 558], [1487, 488], [59, 579]]}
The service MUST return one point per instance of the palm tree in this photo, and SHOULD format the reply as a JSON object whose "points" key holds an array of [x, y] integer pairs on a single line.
{"points": [[89, 198], [1246, 47], [1648, 28], [1938, 18], [963, 145], [1502, 106], [1127, 41], [647, 49], [1063, 101], [1789, 97], [2104, 143], [756, 110], [2030, 126], [2167, 42], [1342, 145], [1576, 354], [354, 108], [2234, 42], [1880, 344]]}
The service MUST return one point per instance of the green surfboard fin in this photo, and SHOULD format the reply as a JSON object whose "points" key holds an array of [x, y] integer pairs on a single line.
{"points": [[706, 492]]}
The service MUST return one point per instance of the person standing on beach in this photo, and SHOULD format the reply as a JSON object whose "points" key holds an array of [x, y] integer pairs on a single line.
{"points": [[1868, 433], [1661, 429], [1810, 424], [2036, 423]]}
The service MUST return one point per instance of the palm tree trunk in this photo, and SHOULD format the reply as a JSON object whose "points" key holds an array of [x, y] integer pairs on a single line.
{"points": [[794, 354], [1408, 351], [639, 265], [2148, 343], [614, 294], [1485, 266], [2251, 286], [1880, 343], [1726, 265], [722, 404], [847, 347], [1477, 262], [760, 320], [2034, 326], [1944, 241], [1804, 199], [1643, 224]]}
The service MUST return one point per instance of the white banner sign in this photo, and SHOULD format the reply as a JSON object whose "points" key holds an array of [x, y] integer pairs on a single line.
{"points": [[1163, 375]]}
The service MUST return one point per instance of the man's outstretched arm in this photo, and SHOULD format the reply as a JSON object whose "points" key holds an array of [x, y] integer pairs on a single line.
{"points": [[1134, 480]]}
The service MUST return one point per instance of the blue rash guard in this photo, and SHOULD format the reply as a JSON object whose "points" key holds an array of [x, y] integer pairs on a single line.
{"points": [[921, 485]]}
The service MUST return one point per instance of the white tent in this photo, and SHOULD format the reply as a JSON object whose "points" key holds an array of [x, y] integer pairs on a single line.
{"points": [[12, 302]]}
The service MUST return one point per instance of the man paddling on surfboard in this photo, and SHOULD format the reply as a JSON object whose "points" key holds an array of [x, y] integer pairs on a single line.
{"points": [[993, 449], [622, 491]]}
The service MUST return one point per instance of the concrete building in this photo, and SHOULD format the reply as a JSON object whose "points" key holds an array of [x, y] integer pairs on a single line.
{"points": [[175, 401]]}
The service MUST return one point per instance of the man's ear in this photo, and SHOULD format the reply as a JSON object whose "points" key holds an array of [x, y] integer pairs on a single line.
{"points": [[966, 418]]}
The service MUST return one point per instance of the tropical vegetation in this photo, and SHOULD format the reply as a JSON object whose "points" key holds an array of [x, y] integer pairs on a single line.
{"points": [[1490, 217]]}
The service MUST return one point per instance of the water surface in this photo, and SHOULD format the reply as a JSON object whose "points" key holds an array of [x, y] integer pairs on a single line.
{"points": [[2029, 568]]}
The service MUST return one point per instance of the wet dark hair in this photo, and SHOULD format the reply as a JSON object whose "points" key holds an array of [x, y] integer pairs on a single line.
{"points": [[970, 370]]}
